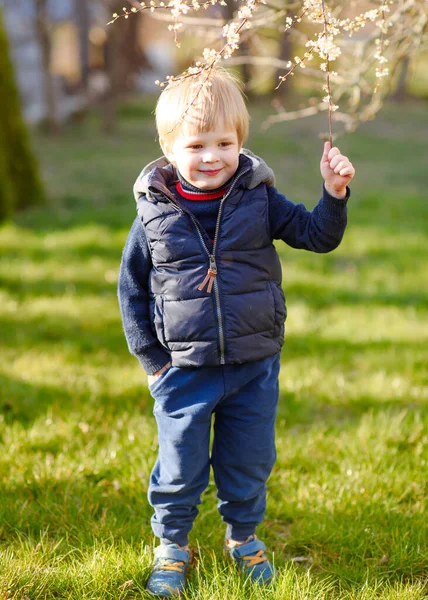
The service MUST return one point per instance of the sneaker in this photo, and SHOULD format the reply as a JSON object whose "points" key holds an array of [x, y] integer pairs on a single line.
{"points": [[168, 577], [251, 559]]}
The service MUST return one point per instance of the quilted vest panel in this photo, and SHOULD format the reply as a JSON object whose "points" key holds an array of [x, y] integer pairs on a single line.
{"points": [[242, 319]]}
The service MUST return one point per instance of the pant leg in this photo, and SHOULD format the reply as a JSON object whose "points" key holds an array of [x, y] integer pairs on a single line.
{"points": [[244, 444], [184, 401]]}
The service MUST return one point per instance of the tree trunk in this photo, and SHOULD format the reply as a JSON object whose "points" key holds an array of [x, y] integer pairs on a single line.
{"points": [[109, 105], [131, 56], [123, 58], [83, 24], [244, 48], [285, 54], [400, 93], [6, 191], [43, 30], [20, 185]]}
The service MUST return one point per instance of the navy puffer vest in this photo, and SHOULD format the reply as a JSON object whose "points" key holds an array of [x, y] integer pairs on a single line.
{"points": [[242, 318]]}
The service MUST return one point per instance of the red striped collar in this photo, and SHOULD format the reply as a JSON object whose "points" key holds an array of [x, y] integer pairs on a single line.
{"points": [[199, 195]]}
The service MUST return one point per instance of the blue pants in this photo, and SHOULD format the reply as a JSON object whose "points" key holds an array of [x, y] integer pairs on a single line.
{"points": [[243, 399]]}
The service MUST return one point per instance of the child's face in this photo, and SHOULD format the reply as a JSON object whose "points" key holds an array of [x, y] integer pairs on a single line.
{"points": [[207, 160]]}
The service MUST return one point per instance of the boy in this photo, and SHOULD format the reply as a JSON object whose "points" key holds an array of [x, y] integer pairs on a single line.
{"points": [[203, 310]]}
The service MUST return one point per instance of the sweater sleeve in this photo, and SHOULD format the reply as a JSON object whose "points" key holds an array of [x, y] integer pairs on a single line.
{"points": [[133, 293], [318, 231]]}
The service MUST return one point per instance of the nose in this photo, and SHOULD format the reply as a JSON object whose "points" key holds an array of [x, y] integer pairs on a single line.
{"points": [[209, 156]]}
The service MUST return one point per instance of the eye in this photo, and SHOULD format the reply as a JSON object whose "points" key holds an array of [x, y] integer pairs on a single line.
{"points": [[224, 144], [195, 146]]}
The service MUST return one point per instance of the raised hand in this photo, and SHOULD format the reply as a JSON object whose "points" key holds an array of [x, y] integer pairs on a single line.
{"points": [[336, 170]]}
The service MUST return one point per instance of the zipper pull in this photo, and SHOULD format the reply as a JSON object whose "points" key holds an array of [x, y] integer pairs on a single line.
{"points": [[210, 276]]}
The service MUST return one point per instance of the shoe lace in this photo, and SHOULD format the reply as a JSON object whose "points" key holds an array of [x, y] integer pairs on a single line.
{"points": [[255, 559], [178, 566]]}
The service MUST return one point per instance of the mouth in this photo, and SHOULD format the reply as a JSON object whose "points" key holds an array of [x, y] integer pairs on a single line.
{"points": [[211, 173]]}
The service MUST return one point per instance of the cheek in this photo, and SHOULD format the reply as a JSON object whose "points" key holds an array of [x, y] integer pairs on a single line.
{"points": [[192, 164], [235, 159], [183, 164]]}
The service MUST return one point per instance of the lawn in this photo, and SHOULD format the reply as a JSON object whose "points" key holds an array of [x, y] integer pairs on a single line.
{"points": [[346, 515]]}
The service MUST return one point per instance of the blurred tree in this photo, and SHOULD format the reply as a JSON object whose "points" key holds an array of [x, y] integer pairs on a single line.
{"points": [[285, 55], [6, 196], [400, 92], [83, 24], [131, 56], [124, 58], [44, 34], [111, 69], [229, 9], [20, 184]]}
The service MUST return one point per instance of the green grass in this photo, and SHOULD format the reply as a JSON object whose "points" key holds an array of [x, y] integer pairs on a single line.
{"points": [[78, 440]]}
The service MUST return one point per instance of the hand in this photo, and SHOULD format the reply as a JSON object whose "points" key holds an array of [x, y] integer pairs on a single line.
{"points": [[152, 378], [336, 170]]}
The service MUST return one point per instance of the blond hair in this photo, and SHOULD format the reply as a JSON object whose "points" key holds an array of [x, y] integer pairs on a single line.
{"points": [[194, 105]]}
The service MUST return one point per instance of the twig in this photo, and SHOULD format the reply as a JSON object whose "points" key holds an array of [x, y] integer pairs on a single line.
{"points": [[309, 111], [139, 7], [327, 74]]}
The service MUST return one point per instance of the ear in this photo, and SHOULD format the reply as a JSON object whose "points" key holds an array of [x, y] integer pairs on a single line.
{"points": [[167, 150], [170, 157]]}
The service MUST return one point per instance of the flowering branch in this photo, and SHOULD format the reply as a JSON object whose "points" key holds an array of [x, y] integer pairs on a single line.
{"points": [[394, 29]]}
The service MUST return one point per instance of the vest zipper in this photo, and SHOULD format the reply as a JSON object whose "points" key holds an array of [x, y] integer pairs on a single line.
{"points": [[211, 276]]}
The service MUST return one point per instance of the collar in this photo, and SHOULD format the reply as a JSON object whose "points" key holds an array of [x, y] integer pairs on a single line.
{"points": [[200, 194]]}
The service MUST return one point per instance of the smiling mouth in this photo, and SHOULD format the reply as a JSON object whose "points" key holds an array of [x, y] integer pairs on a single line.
{"points": [[214, 172]]}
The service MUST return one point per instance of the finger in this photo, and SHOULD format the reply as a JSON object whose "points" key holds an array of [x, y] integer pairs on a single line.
{"points": [[336, 160], [327, 148], [333, 152], [347, 172], [340, 166]]}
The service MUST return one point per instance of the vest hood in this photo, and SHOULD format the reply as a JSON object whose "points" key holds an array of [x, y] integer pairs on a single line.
{"points": [[162, 171]]}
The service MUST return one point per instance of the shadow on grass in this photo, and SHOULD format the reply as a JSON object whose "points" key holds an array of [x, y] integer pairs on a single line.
{"points": [[361, 542], [83, 508], [319, 296], [295, 414], [117, 212], [66, 334], [57, 287], [22, 402], [81, 253], [331, 349], [25, 402]]}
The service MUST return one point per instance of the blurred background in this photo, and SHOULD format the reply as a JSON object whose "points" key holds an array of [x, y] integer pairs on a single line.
{"points": [[63, 66], [68, 60]]}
